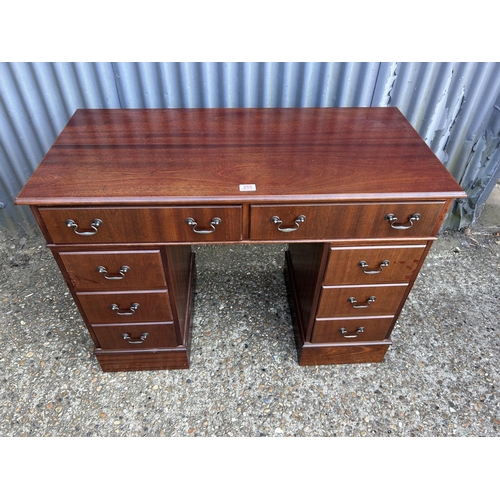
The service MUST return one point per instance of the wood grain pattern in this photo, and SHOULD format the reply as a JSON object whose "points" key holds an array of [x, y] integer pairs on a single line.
{"points": [[328, 330], [305, 262], [153, 306], [343, 264], [328, 222], [158, 359], [335, 300], [145, 269], [171, 156], [143, 225], [343, 354], [143, 173], [158, 335], [181, 273]]}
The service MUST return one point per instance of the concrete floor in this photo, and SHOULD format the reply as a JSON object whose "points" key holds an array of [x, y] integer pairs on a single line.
{"points": [[440, 378]]}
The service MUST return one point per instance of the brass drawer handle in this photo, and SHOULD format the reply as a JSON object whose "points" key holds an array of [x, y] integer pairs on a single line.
{"points": [[127, 312], [354, 303], [276, 220], [351, 335], [119, 276], [392, 219], [214, 222], [94, 225], [364, 266], [140, 340]]}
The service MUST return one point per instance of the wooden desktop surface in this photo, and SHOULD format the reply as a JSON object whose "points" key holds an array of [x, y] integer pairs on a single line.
{"points": [[172, 156]]}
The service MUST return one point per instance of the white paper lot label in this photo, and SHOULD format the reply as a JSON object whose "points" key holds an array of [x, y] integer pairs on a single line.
{"points": [[248, 187]]}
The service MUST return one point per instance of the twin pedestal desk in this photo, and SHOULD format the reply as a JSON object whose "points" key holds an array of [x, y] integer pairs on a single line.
{"points": [[355, 192]]}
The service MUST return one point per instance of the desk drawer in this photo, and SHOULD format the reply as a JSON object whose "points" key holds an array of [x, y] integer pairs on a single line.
{"points": [[136, 336], [143, 225], [370, 264], [360, 300], [124, 307], [344, 220], [115, 270], [351, 330]]}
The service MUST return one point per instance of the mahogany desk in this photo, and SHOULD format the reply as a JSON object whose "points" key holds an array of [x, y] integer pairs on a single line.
{"points": [[355, 192]]}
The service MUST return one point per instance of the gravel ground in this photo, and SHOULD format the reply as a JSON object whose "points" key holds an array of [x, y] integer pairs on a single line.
{"points": [[440, 378]]}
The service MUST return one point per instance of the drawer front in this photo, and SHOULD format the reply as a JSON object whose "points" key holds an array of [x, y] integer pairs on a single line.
{"points": [[351, 330], [360, 301], [343, 220], [120, 307], [367, 265], [115, 270], [143, 225], [136, 336]]}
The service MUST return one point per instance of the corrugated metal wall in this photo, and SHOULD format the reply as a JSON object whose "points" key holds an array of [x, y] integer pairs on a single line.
{"points": [[455, 107]]}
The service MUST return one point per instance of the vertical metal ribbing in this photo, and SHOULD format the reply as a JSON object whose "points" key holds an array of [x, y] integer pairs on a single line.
{"points": [[451, 105]]}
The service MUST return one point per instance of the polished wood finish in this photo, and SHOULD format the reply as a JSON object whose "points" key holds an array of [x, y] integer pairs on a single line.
{"points": [[329, 330], [158, 335], [344, 264], [343, 220], [145, 225], [145, 269], [170, 156], [181, 278], [306, 261], [153, 306], [335, 300], [344, 354], [139, 360], [144, 174]]}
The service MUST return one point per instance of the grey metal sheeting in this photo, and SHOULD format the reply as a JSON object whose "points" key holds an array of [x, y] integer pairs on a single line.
{"points": [[455, 107]]}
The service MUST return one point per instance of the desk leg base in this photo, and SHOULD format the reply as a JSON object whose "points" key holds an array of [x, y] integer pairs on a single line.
{"points": [[160, 359], [343, 354], [327, 354], [164, 358]]}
